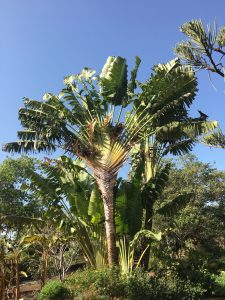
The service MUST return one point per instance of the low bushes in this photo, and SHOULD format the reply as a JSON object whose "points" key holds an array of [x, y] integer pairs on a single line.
{"points": [[110, 283], [55, 290], [105, 283], [219, 284]]}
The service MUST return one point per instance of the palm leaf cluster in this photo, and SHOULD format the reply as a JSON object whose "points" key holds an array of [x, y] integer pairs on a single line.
{"points": [[166, 97], [215, 139], [81, 119]]}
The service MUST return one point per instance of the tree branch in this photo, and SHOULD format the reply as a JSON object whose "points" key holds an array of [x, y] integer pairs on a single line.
{"points": [[219, 50], [218, 71]]}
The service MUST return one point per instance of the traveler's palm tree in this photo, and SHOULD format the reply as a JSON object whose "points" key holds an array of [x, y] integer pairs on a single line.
{"points": [[87, 120]]}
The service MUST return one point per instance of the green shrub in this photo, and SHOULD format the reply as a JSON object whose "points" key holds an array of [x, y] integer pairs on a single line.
{"points": [[100, 284], [141, 286], [55, 290], [83, 282], [174, 288], [198, 275], [110, 282], [219, 284]]}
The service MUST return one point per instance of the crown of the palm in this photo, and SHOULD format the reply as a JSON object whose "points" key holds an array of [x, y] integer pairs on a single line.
{"points": [[83, 119]]}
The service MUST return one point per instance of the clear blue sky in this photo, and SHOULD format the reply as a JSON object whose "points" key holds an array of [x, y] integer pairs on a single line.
{"points": [[44, 40]]}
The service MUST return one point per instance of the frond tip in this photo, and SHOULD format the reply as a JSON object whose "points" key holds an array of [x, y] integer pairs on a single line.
{"points": [[113, 80], [215, 139], [28, 146]]}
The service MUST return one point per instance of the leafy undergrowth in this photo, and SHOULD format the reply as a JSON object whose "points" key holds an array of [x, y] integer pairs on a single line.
{"points": [[219, 286], [110, 284]]}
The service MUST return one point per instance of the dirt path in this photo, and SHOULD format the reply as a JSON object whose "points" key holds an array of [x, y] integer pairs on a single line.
{"points": [[28, 290]]}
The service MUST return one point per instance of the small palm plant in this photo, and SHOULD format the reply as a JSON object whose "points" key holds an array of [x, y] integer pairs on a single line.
{"points": [[127, 250]]}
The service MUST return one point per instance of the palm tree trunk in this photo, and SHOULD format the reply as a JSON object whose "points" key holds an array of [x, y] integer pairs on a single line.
{"points": [[150, 171], [2, 283], [61, 276], [45, 267], [17, 296], [106, 183], [148, 226]]}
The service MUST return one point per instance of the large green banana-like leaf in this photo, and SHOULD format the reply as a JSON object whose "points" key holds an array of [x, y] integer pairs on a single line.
{"points": [[113, 80], [95, 207], [78, 200], [132, 84], [215, 139], [73, 182], [174, 206], [179, 137], [146, 234], [45, 186], [190, 129], [129, 209], [29, 146], [154, 187], [179, 148], [20, 219], [168, 93]]}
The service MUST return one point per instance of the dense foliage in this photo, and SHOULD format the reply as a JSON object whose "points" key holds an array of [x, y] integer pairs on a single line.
{"points": [[13, 200], [194, 231], [105, 283]]}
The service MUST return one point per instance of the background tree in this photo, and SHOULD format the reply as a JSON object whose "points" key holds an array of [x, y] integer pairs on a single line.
{"points": [[204, 48], [193, 230], [14, 200]]}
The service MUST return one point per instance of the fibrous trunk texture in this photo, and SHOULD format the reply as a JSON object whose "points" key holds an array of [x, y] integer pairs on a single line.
{"points": [[17, 296], [106, 183], [2, 283], [45, 267]]}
